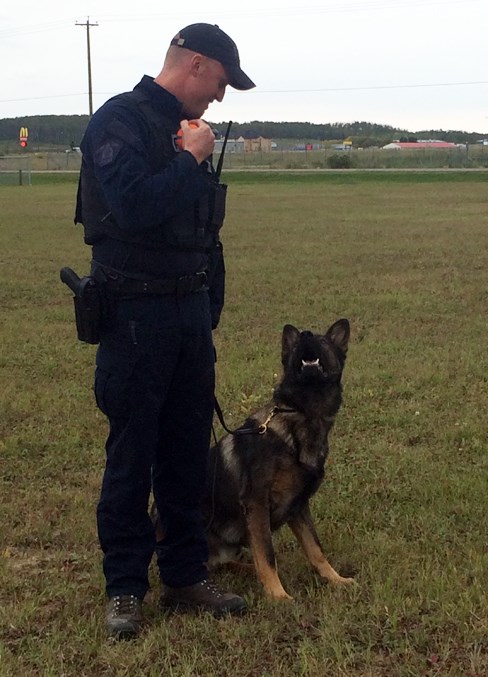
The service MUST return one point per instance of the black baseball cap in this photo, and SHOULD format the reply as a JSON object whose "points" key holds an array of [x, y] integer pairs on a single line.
{"points": [[211, 41]]}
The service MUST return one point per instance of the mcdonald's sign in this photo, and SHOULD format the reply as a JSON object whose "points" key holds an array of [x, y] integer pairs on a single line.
{"points": [[23, 136]]}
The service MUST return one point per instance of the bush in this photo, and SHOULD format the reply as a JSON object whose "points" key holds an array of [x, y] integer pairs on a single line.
{"points": [[339, 161]]}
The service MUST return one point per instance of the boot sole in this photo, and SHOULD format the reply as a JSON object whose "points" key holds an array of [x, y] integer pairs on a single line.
{"points": [[186, 607]]}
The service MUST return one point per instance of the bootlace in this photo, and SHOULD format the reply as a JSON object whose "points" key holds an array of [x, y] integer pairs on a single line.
{"points": [[125, 605], [212, 588]]}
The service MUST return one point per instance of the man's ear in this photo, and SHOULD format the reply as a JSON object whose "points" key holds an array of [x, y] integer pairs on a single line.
{"points": [[196, 64]]}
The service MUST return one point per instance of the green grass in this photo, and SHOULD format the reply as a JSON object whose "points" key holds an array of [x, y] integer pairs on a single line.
{"points": [[405, 258], [346, 176]]}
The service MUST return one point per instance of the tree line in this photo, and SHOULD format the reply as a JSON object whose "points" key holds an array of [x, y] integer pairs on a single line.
{"points": [[68, 130]]}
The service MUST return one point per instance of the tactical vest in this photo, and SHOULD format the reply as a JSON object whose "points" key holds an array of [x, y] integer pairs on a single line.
{"points": [[194, 229]]}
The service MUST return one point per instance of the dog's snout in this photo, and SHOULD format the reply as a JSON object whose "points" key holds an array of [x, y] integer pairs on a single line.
{"points": [[309, 348]]}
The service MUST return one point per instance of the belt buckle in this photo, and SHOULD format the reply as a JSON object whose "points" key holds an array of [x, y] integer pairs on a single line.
{"points": [[202, 278], [189, 283]]}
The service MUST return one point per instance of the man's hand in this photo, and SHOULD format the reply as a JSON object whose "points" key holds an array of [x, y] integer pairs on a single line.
{"points": [[197, 138]]}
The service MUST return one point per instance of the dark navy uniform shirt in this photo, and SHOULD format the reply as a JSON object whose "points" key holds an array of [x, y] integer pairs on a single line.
{"points": [[116, 146]]}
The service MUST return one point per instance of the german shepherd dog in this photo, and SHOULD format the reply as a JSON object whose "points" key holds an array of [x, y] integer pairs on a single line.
{"points": [[263, 475]]}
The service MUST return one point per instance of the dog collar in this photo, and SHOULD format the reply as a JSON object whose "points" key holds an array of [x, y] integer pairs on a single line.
{"points": [[275, 410]]}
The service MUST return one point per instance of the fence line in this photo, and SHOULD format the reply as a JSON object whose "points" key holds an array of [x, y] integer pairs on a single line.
{"points": [[475, 157]]}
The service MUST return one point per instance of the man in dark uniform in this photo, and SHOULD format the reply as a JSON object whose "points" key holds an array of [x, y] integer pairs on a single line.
{"points": [[152, 207]]}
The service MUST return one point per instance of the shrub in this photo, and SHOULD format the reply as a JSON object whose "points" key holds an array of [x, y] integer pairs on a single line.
{"points": [[339, 161]]}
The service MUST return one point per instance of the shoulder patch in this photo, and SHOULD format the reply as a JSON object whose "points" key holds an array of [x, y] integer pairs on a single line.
{"points": [[107, 153]]}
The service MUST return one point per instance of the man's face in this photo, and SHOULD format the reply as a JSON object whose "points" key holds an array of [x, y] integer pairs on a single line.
{"points": [[208, 85]]}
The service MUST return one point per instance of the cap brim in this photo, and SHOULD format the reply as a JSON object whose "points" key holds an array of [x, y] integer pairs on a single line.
{"points": [[238, 79]]}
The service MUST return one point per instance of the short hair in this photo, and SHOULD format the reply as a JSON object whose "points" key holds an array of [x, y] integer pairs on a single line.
{"points": [[176, 56]]}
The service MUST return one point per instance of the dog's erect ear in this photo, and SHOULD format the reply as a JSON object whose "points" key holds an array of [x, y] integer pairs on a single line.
{"points": [[288, 341], [339, 334]]}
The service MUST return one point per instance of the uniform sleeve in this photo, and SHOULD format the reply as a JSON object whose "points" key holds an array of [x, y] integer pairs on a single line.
{"points": [[116, 146]]}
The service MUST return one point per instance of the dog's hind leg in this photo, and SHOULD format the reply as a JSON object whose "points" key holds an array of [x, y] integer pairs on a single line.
{"points": [[240, 567], [304, 530], [259, 530]]}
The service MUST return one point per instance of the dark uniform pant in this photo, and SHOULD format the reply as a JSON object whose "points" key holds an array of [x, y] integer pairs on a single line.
{"points": [[155, 383]]}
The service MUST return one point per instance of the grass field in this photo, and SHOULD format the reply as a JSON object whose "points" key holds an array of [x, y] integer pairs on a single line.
{"points": [[404, 504]]}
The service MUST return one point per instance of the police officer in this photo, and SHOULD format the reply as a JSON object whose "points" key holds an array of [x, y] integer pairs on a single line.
{"points": [[151, 206]]}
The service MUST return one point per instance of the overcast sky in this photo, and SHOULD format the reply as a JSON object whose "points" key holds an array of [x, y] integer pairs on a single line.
{"points": [[413, 64]]}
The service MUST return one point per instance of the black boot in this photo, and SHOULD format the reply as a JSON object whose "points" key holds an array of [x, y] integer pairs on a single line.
{"points": [[203, 595], [124, 616]]}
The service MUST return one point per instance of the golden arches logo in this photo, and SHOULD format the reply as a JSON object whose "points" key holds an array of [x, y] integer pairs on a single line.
{"points": [[24, 133]]}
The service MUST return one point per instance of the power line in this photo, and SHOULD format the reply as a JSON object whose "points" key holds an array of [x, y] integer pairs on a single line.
{"points": [[301, 9], [285, 91], [39, 98], [366, 88], [31, 29]]}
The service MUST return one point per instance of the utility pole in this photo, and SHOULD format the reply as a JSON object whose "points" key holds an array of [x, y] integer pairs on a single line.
{"points": [[87, 25]]}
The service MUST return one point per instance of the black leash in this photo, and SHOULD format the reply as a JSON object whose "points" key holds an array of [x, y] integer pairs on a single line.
{"points": [[260, 430]]}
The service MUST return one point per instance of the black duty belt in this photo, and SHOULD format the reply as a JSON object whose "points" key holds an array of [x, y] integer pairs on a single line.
{"points": [[181, 286]]}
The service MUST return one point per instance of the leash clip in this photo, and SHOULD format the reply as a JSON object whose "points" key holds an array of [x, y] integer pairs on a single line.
{"points": [[264, 426]]}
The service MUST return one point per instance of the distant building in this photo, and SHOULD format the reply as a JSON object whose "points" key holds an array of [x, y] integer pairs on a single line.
{"points": [[345, 145], [419, 145], [233, 145], [242, 145], [306, 146], [257, 145]]}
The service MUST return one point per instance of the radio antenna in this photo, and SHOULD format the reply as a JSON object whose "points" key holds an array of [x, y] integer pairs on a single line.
{"points": [[222, 152]]}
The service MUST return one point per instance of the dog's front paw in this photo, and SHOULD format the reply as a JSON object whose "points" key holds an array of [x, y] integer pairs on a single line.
{"points": [[340, 580], [332, 577], [279, 595]]}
